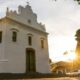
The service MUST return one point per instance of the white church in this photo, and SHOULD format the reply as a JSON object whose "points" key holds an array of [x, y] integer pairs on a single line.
{"points": [[23, 43]]}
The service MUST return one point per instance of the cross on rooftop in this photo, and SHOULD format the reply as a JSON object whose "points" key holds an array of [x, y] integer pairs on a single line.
{"points": [[27, 3]]}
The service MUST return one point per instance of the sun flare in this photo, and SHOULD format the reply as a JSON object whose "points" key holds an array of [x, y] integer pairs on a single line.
{"points": [[70, 56], [62, 44]]}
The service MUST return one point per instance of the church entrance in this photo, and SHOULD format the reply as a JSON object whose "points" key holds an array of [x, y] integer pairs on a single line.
{"points": [[30, 60]]}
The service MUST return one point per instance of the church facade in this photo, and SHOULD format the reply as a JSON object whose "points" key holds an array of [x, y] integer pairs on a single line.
{"points": [[23, 43]]}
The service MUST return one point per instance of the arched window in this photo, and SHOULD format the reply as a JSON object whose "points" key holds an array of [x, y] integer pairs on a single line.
{"points": [[14, 36], [42, 42], [0, 36], [30, 37], [29, 40]]}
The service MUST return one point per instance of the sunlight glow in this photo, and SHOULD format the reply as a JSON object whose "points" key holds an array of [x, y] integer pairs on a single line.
{"points": [[62, 44], [71, 55]]}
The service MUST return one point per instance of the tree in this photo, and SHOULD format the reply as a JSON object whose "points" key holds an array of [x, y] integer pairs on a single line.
{"points": [[74, 0]]}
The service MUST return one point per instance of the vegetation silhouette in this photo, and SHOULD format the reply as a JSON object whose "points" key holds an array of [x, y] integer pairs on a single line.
{"points": [[74, 0], [78, 48]]}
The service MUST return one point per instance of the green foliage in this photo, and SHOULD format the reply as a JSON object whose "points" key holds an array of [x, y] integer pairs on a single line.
{"points": [[74, 0], [77, 1]]}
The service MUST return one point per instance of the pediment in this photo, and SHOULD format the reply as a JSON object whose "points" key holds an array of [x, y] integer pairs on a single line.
{"points": [[26, 16]]}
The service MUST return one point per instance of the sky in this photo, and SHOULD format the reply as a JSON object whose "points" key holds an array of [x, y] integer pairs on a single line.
{"points": [[61, 18]]}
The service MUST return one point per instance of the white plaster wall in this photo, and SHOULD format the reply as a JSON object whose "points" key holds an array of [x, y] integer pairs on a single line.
{"points": [[15, 51], [3, 59]]}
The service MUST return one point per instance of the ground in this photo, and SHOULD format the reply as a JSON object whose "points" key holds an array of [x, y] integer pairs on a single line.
{"points": [[64, 78]]}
